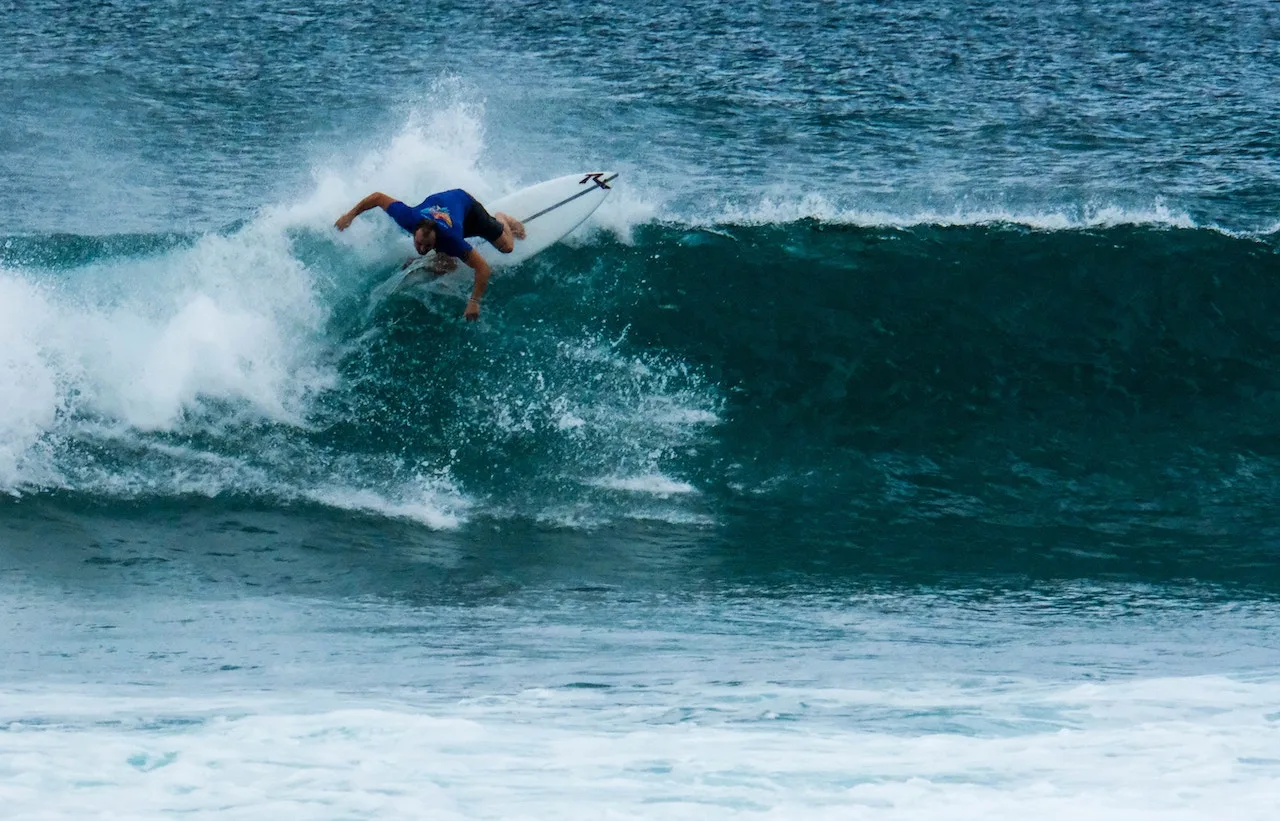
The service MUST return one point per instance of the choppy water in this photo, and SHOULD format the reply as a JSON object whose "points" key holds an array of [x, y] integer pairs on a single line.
{"points": [[896, 441]]}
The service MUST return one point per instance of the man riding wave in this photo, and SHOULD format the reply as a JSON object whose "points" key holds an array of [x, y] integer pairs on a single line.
{"points": [[443, 222]]}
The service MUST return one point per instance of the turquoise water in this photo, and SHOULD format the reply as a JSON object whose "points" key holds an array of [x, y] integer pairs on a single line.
{"points": [[896, 441]]}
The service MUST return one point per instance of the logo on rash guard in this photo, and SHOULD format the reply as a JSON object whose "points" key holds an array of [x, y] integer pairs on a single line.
{"points": [[441, 214]]}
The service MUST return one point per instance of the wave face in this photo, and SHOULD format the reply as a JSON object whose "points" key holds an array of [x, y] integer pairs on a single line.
{"points": [[1115, 379], [884, 338]]}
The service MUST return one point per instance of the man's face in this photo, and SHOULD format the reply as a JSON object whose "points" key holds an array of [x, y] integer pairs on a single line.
{"points": [[424, 239]]}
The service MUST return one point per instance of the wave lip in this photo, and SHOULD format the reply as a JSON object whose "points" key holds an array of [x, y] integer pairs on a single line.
{"points": [[772, 211]]}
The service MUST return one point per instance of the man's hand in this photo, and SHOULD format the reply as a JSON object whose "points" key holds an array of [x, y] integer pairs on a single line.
{"points": [[375, 200], [482, 282]]}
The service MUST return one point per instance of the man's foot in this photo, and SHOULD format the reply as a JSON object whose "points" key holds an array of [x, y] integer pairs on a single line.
{"points": [[516, 226]]}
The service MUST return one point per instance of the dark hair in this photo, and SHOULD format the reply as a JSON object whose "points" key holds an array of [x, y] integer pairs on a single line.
{"points": [[427, 223]]}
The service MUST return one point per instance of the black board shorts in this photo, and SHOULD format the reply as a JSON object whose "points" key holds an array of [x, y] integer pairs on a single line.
{"points": [[480, 223]]}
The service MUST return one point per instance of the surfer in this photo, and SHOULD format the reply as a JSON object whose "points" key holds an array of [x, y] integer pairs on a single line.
{"points": [[443, 222]]}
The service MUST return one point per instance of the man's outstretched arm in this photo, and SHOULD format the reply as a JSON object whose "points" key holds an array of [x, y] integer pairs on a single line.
{"points": [[482, 270], [375, 200]]}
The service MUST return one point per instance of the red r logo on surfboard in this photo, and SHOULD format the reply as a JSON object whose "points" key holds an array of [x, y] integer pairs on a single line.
{"points": [[597, 178]]}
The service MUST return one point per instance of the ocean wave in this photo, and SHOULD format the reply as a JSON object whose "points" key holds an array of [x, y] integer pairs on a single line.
{"points": [[650, 372]]}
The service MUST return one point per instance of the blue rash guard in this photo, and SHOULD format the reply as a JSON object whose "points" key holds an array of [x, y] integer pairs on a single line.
{"points": [[448, 209]]}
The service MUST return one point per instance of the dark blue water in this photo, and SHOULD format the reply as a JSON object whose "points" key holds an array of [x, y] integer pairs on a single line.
{"points": [[896, 440]]}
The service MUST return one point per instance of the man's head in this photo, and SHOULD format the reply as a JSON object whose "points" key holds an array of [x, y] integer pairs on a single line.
{"points": [[424, 236]]}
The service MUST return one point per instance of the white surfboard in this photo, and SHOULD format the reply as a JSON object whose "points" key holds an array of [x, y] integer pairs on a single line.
{"points": [[549, 210]]}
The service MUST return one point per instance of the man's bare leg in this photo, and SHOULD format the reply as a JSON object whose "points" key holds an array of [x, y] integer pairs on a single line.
{"points": [[512, 230]]}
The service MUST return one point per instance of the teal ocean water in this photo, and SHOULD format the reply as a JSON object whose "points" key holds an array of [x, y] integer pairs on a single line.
{"points": [[897, 441]]}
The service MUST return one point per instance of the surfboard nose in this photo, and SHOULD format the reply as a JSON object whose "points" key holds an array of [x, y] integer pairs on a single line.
{"points": [[549, 211], [600, 178]]}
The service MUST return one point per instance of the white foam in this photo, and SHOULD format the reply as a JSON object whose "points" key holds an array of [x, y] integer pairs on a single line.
{"points": [[774, 210], [443, 148], [1194, 748], [622, 211], [686, 416], [602, 417], [431, 152], [434, 501], [161, 470], [654, 484], [574, 517], [227, 332], [29, 376], [148, 345], [682, 518]]}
